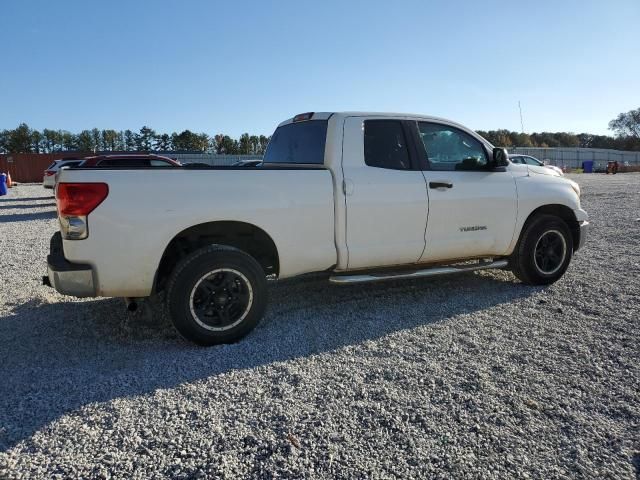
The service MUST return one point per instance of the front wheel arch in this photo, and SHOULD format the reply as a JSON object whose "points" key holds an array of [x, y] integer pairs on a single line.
{"points": [[563, 212]]}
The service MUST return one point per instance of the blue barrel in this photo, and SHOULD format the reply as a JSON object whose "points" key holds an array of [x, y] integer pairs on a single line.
{"points": [[587, 166], [3, 184]]}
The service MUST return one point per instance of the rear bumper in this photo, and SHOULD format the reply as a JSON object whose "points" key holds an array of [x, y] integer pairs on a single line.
{"points": [[68, 278], [584, 226]]}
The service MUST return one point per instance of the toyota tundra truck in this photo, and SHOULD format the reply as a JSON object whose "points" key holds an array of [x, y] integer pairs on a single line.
{"points": [[365, 197]]}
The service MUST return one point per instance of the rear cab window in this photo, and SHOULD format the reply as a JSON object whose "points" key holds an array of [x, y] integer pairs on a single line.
{"points": [[298, 143]]}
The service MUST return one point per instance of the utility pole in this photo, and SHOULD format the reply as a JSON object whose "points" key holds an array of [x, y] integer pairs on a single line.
{"points": [[521, 123]]}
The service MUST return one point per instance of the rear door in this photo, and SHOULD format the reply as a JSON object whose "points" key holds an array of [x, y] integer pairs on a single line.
{"points": [[385, 193]]}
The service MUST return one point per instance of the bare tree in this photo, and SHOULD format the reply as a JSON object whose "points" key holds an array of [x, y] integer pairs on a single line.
{"points": [[627, 124]]}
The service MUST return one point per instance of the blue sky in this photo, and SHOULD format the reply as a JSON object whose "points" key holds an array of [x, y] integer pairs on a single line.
{"points": [[239, 66]]}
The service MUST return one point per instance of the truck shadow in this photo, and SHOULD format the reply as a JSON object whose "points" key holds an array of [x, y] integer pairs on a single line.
{"points": [[13, 206], [62, 356], [23, 217], [48, 196]]}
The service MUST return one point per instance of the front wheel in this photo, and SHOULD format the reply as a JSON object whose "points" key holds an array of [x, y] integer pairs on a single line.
{"points": [[543, 252], [217, 294]]}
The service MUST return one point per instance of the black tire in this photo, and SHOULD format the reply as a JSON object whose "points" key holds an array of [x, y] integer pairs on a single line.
{"points": [[197, 289], [532, 261]]}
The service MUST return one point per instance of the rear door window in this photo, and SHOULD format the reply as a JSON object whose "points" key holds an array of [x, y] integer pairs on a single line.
{"points": [[385, 145], [298, 143]]}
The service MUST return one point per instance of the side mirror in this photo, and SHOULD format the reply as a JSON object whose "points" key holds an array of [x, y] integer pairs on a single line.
{"points": [[500, 157]]}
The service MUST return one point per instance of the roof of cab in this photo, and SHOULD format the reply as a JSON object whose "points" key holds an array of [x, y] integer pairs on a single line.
{"points": [[401, 116], [412, 116]]}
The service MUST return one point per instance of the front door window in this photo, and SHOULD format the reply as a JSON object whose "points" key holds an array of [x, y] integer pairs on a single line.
{"points": [[448, 148]]}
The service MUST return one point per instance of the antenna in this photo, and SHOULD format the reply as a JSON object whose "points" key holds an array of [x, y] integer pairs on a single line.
{"points": [[521, 123]]}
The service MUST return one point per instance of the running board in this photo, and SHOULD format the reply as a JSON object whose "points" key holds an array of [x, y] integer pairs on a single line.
{"points": [[426, 272]]}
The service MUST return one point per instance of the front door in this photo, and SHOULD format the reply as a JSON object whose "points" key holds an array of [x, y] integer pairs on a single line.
{"points": [[385, 194], [472, 210]]}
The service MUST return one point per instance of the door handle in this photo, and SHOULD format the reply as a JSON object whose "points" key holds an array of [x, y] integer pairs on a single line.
{"points": [[440, 185]]}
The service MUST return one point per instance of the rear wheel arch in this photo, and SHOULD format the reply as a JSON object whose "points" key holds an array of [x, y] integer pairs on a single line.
{"points": [[246, 237]]}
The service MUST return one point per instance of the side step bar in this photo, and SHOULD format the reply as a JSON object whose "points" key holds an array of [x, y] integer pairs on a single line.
{"points": [[426, 272]]}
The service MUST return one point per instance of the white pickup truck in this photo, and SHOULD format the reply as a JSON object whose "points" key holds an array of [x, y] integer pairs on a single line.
{"points": [[362, 196]]}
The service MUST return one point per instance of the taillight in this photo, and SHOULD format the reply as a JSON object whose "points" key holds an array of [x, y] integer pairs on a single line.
{"points": [[75, 202], [48, 173], [80, 198]]}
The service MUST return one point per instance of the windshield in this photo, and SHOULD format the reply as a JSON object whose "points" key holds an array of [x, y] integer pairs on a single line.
{"points": [[301, 142]]}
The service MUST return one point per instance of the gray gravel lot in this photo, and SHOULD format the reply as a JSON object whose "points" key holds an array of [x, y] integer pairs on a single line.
{"points": [[472, 376]]}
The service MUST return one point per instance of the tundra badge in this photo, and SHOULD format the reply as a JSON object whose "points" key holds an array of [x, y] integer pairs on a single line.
{"points": [[475, 228]]}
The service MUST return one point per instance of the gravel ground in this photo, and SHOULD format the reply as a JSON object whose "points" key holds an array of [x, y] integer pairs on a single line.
{"points": [[472, 376]]}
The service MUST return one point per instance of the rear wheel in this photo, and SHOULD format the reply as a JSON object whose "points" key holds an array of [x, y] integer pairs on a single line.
{"points": [[217, 294], [543, 252]]}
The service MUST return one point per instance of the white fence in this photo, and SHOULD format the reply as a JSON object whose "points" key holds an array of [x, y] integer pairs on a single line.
{"points": [[573, 157]]}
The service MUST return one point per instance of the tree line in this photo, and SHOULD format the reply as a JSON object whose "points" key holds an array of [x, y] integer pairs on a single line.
{"points": [[506, 138], [24, 139], [626, 127]]}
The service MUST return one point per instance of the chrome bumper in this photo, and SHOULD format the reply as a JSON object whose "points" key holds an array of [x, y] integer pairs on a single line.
{"points": [[68, 278], [584, 226]]}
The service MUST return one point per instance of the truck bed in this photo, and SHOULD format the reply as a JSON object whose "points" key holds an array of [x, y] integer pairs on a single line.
{"points": [[147, 207]]}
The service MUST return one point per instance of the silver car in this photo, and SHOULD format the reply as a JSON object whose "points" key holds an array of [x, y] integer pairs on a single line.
{"points": [[527, 160], [51, 173]]}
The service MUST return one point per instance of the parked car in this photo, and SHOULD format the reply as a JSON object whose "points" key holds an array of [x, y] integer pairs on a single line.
{"points": [[49, 177], [195, 165], [247, 163], [71, 164], [129, 160], [364, 197], [528, 160]]}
